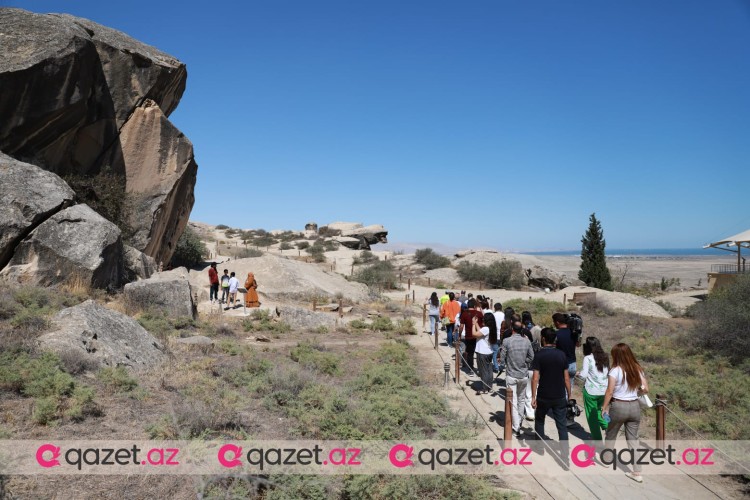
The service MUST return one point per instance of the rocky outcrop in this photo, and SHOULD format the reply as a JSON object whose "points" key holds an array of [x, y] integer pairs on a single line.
{"points": [[76, 97], [28, 197], [102, 337], [366, 236], [74, 244], [137, 264], [541, 277], [169, 291], [160, 176]]}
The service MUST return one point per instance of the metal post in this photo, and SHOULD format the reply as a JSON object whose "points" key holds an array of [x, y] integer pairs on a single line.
{"points": [[661, 415], [447, 368], [508, 431]]}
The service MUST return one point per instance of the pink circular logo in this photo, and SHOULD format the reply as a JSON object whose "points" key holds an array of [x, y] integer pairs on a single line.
{"points": [[234, 452], [407, 451], [589, 452], [52, 462]]}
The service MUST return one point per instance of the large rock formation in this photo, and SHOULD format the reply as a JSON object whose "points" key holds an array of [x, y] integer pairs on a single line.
{"points": [[102, 337], [541, 277], [356, 236], [169, 291], [77, 97], [28, 197], [74, 244]]}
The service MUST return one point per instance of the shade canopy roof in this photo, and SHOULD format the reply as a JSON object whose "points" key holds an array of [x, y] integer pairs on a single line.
{"points": [[741, 240]]}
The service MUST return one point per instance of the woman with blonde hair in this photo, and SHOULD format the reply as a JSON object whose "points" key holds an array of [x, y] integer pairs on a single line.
{"points": [[626, 381], [251, 297]]}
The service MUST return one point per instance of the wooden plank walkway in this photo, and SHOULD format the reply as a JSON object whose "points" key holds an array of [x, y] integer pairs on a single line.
{"points": [[559, 485]]}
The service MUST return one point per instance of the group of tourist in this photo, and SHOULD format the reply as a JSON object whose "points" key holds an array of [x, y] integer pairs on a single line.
{"points": [[541, 368], [230, 285]]}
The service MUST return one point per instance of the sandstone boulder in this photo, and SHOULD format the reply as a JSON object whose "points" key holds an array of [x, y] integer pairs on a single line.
{"points": [[353, 243], [77, 96], [28, 197], [168, 290], [160, 177], [306, 320], [103, 337], [365, 235], [138, 264], [73, 244], [541, 277]]}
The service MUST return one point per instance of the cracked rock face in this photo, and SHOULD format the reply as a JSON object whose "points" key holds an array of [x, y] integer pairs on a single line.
{"points": [[28, 197], [75, 244], [76, 97], [102, 337]]}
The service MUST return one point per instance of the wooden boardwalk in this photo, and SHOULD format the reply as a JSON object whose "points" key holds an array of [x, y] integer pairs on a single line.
{"points": [[558, 484]]}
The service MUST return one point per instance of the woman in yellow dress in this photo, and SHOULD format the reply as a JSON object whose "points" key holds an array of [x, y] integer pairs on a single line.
{"points": [[251, 297]]}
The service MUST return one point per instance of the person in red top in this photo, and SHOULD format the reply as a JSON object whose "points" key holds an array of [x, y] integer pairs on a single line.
{"points": [[213, 279], [472, 311]]}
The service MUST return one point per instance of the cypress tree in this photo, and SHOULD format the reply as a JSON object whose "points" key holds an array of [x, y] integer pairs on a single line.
{"points": [[594, 271]]}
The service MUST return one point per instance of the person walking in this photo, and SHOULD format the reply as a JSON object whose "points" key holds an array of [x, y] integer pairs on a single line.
{"points": [[484, 351], [595, 381], [550, 388], [625, 381], [517, 355], [433, 310], [234, 284], [536, 343], [567, 343], [225, 286], [499, 318], [450, 310], [467, 324], [213, 280]]}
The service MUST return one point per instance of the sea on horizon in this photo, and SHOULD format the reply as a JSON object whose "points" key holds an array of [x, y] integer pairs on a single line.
{"points": [[643, 252]]}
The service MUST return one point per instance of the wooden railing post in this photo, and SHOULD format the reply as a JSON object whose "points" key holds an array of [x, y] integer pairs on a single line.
{"points": [[315, 305], [661, 415], [413, 296], [508, 431], [437, 329], [424, 315]]}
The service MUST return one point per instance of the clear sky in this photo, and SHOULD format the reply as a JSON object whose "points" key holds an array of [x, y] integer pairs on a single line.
{"points": [[491, 122]]}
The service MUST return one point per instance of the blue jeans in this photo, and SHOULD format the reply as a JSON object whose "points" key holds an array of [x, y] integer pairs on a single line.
{"points": [[495, 351], [572, 372], [449, 330], [433, 320]]}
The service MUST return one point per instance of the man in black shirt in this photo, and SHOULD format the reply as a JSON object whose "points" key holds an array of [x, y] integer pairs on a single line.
{"points": [[551, 374], [567, 343]]}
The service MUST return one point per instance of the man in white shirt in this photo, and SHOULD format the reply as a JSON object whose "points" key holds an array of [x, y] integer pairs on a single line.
{"points": [[234, 284]]}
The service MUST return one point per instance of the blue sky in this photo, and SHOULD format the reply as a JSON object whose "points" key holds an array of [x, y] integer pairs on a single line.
{"points": [[491, 122]]}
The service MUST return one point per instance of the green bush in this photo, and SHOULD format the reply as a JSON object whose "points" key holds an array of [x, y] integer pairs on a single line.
{"points": [[374, 487], [312, 356], [190, 250], [382, 324], [500, 274], [359, 324], [264, 241], [365, 257], [261, 321], [406, 327], [303, 245], [381, 274], [117, 379], [222, 226], [541, 310], [723, 320], [431, 260], [285, 246]]}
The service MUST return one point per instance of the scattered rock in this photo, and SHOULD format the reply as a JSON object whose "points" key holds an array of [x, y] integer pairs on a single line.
{"points": [[138, 264], [74, 244], [168, 290], [541, 277], [262, 338], [197, 342], [305, 319], [444, 275], [311, 226], [28, 197], [103, 337]]}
